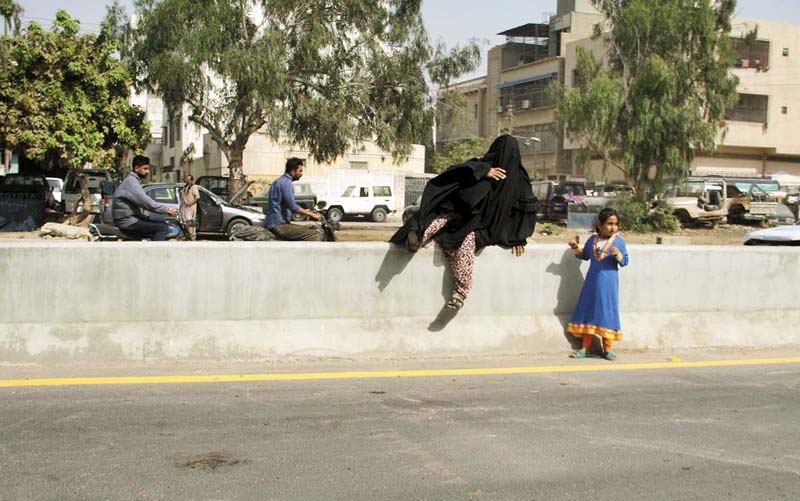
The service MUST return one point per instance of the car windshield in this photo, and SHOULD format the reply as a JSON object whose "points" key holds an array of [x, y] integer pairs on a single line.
{"points": [[348, 191], [688, 189], [570, 189], [23, 180], [53, 183]]}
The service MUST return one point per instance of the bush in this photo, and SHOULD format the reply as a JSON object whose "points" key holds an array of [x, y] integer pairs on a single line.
{"points": [[639, 215]]}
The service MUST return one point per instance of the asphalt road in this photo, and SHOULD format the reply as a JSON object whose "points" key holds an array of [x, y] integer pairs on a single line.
{"points": [[652, 432]]}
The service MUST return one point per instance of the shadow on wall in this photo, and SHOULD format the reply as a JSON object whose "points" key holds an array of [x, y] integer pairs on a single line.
{"points": [[395, 262], [569, 289]]}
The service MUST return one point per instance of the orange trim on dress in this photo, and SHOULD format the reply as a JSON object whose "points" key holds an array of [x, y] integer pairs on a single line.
{"points": [[579, 330]]}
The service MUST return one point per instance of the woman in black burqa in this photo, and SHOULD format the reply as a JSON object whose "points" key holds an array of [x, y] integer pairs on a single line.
{"points": [[484, 201]]}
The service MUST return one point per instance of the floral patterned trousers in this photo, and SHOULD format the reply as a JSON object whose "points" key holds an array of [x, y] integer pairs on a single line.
{"points": [[461, 260]]}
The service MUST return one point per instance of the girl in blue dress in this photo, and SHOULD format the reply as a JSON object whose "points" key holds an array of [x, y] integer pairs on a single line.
{"points": [[597, 312]]}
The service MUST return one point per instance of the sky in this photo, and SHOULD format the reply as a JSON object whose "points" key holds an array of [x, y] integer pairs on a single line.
{"points": [[453, 22]]}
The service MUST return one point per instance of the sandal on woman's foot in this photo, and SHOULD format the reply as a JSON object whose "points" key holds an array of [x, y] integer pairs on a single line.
{"points": [[610, 355], [455, 303], [577, 354]]}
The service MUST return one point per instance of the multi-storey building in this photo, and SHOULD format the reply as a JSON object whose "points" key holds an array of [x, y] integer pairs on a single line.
{"points": [[759, 138]]}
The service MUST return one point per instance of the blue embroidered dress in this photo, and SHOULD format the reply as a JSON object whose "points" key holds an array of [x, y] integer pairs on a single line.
{"points": [[597, 311]]}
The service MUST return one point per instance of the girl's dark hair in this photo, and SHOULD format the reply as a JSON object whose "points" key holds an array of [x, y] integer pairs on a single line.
{"points": [[603, 217]]}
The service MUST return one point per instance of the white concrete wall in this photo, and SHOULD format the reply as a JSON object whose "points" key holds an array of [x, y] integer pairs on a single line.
{"points": [[66, 302]]}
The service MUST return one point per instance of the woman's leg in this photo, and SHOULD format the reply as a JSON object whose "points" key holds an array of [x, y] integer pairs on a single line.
{"points": [[607, 344], [587, 341], [462, 261], [435, 227]]}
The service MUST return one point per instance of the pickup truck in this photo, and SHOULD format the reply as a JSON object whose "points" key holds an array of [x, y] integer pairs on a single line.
{"points": [[375, 202]]}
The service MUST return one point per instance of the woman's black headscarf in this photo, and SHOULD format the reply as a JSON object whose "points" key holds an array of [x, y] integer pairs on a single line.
{"points": [[499, 212]]}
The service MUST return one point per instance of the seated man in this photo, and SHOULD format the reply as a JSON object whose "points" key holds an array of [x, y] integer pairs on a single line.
{"points": [[130, 202], [281, 205]]}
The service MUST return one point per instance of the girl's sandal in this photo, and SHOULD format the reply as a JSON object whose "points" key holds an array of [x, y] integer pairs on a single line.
{"points": [[609, 355], [577, 354], [454, 303]]}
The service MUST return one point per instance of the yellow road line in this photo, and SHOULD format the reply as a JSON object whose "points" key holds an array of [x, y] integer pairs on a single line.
{"points": [[499, 371]]}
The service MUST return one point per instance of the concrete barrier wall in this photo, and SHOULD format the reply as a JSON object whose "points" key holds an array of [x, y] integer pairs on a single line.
{"points": [[245, 300]]}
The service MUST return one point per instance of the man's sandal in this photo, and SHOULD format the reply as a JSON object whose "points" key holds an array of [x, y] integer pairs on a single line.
{"points": [[455, 304]]}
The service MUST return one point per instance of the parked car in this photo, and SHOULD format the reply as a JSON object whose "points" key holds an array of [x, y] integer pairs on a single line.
{"points": [[30, 186], [72, 187], [412, 209], [376, 202], [553, 198], [698, 201], [56, 188], [751, 200], [215, 216], [303, 195], [781, 235]]}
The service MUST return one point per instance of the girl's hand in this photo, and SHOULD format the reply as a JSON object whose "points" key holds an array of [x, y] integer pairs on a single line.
{"points": [[616, 253], [518, 250], [573, 244], [496, 173]]}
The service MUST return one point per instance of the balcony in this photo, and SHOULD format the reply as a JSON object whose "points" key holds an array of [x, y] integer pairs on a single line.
{"points": [[526, 44], [752, 55], [751, 108], [526, 94]]}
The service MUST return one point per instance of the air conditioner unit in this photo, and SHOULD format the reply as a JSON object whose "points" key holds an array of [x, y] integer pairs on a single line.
{"points": [[526, 103]]}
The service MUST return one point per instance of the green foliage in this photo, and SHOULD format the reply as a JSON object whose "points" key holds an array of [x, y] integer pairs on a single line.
{"points": [[663, 94], [639, 215], [321, 74], [11, 12], [64, 97], [550, 229], [458, 151]]}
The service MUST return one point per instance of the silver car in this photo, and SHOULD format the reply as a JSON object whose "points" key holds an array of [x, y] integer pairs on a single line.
{"points": [[215, 216]]}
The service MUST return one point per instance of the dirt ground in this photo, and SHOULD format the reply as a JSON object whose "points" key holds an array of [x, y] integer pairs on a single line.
{"points": [[722, 235]]}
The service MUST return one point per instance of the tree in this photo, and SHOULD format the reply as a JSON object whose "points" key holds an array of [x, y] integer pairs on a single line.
{"points": [[322, 74], [458, 151], [664, 92], [64, 97], [11, 12]]}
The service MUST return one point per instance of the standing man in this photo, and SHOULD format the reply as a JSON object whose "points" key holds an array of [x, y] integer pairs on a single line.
{"points": [[190, 194], [131, 202], [281, 205]]}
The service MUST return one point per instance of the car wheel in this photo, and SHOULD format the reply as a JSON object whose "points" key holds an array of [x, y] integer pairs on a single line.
{"points": [[335, 215], [235, 226], [379, 215]]}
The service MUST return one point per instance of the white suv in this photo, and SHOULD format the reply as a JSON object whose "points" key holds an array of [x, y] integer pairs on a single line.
{"points": [[358, 200]]}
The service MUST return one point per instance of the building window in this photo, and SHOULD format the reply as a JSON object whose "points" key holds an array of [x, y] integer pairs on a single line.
{"points": [[751, 108], [544, 132], [178, 129], [171, 128], [358, 165], [526, 96], [786, 51], [475, 110], [750, 55], [785, 110]]}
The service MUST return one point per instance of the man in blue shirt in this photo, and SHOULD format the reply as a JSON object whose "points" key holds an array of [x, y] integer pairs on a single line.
{"points": [[281, 205]]}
